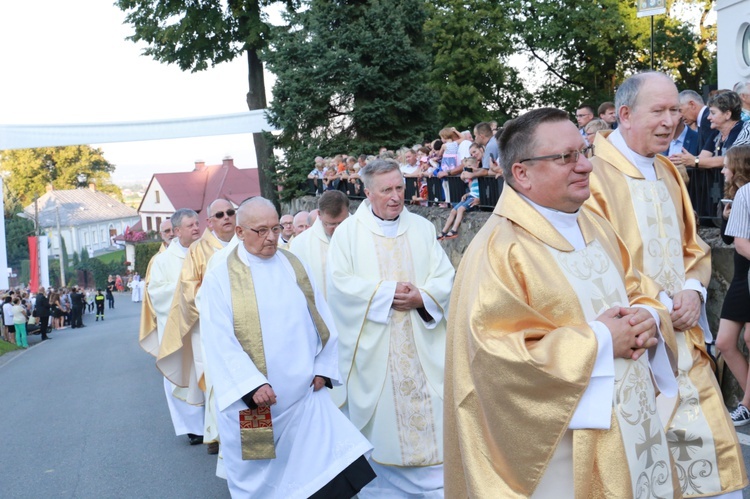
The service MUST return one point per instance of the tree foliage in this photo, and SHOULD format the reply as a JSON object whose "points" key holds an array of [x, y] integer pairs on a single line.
{"points": [[351, 77], [470, 70], [588, 51], [29, 171], [194, 35], [143, 254]]}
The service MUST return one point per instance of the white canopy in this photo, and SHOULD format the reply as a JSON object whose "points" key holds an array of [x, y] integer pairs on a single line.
{"points": [[29, 136]]}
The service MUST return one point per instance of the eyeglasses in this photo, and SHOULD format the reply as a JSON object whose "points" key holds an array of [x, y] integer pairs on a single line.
{"points": [[220, 214], [263, 232], [566, 157]]}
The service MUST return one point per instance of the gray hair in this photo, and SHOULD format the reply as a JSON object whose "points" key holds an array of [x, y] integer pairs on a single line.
{"points": [[180, 214], [258, 200], [519, 140], [690, 95], [377, 167], [627, 94], [742, 88]]}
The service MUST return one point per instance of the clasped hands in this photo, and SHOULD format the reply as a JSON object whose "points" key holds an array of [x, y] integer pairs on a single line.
{"points": [[633, 331], [407, 297]]}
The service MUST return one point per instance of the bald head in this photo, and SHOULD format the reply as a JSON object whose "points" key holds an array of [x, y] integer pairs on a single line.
{"points": [[300, 222], [313, 216], [258, 227]]}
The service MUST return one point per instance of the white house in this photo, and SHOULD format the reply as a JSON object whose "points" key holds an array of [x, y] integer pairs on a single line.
{"points": [[86, 219], [733, 41]]}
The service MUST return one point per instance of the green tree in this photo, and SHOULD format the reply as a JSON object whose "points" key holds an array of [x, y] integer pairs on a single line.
{"points": [[587, 51], [196, 34], [470, 73], [31, 170], [351, 77]]}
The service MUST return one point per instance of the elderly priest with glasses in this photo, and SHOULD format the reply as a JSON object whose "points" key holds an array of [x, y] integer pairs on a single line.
{"points": [[272, 347]]}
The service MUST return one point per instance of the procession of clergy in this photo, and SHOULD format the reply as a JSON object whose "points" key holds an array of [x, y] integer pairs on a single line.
{"points": [[566, 360]]}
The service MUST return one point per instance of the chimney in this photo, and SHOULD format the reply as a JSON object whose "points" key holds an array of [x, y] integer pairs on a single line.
{"points": [[49, 188], [92, 186], [199, 165], [227, 161]]}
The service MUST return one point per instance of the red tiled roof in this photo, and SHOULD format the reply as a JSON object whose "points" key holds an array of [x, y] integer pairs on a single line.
{"points": [[198, 188]]}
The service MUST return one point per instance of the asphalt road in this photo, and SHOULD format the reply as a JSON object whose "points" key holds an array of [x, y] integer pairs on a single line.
{"points": [[84, 416]]}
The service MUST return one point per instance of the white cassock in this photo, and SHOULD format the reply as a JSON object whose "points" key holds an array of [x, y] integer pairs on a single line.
{"points": [[312, 248], [392, 362], [314, 441], [136, 290], [165, 271]]}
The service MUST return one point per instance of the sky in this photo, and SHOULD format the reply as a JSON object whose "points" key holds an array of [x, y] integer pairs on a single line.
{"points": [[69, 62]]}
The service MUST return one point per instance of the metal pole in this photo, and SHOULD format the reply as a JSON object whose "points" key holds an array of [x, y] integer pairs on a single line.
{"points": [[652, 43], [59, 235], [36, 233]]}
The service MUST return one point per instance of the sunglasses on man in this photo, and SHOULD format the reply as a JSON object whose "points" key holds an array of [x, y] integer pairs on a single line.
{"points": [[220, 214]]}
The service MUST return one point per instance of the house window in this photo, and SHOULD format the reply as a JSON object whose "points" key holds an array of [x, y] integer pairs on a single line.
{"points": [[157, 198], [149, 227], [104, 238], [85, 238], [158, 223]]}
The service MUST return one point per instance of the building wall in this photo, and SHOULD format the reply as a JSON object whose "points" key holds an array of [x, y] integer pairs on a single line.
{"points": [[93, 237], [733, 21], [155, 207]]}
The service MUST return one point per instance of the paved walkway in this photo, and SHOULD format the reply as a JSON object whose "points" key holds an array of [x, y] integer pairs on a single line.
{"points": [[84, 416]]}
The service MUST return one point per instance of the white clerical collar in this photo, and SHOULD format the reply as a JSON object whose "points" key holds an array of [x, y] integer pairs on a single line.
{"points": [[389, 227], [250, 259], [180, 247], [223, 243], [565, 223], [644, 164]]}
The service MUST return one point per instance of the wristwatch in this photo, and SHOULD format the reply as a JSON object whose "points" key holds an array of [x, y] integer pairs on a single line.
{"points": [[697, 161]]}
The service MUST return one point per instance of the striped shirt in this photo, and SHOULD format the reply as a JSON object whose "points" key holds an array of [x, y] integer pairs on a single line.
{"points": [[739, 218]]}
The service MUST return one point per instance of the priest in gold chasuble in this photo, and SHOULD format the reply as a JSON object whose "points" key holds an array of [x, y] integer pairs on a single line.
{"points": [[554, 341], [147, 337], [271, 346], [180, 357], [642, 194]]}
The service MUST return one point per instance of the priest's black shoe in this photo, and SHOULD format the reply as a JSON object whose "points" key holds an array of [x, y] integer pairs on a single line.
{"points": [[195, 439]]}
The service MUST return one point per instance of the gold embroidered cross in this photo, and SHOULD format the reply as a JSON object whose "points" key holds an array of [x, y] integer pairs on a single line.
{"points": [[683, 443], [648, 444], [603, 300]]}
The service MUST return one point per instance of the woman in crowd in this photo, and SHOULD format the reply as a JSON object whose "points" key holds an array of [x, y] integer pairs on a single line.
{"points": [[20, 317], [735, 313], [724, 114], [57, 310], [118, 284], [42, 309], [9, 329]]}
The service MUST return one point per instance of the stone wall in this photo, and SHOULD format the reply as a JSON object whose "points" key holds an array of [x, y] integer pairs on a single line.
{"points": [[722, 261]]}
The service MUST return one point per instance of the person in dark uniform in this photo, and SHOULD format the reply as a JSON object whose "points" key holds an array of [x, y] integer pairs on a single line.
{"points": [[42, 311], [77, 300]]}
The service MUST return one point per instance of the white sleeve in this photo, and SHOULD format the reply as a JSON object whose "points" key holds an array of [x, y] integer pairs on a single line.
{"points": [[594, 410], [432, 309], [380, 307], [233, 373], [658, 360]]}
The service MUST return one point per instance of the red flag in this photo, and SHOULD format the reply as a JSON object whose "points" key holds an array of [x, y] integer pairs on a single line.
{"points": [[33, 264]]}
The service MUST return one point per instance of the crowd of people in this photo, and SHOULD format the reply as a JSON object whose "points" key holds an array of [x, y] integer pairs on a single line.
{"points": [[48, 310], [331, 354]]}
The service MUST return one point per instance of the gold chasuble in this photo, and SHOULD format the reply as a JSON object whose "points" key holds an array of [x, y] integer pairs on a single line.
{"points": [[256, 427], [656, 222], [180, 358], [520, 354], [147, 337]]}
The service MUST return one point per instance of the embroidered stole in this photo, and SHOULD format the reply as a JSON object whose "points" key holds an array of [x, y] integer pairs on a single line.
{"points": [[256, 425]]}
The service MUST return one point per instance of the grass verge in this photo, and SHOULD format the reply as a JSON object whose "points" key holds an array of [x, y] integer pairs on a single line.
{"points": [[6, 347]]}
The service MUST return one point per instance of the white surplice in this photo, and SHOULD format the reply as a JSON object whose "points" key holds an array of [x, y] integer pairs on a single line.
{"points": [[314, 441], [165, 272]]}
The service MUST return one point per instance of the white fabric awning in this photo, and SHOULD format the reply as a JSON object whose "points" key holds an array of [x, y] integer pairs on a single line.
{"points": [[28, 136]]}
